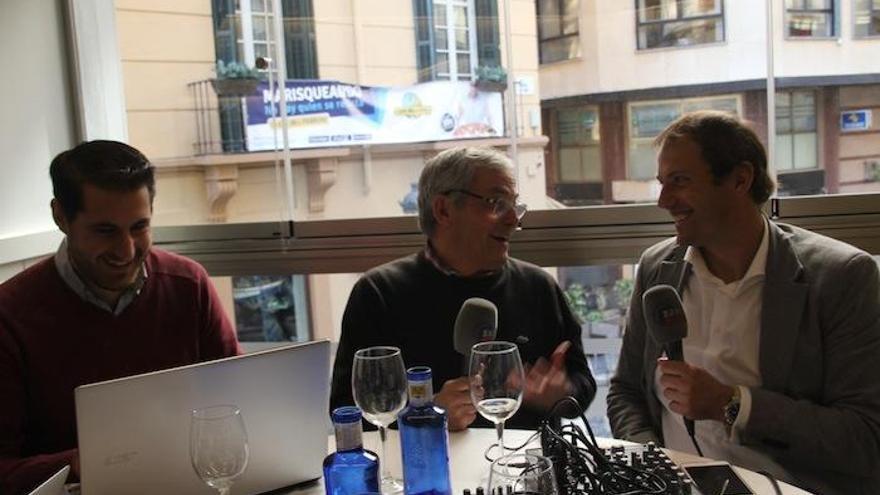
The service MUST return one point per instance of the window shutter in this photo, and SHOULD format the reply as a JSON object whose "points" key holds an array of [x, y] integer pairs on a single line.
{"points": [[488, 38], [226, 49], [424, 24], [223, 12], [299, 39]]}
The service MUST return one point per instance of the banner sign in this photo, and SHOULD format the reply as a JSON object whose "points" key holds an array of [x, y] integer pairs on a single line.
{"points": [[331, 113]]}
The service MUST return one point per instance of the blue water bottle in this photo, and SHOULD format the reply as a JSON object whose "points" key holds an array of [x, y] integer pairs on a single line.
{"points": [[424, 443], [351, 470]]}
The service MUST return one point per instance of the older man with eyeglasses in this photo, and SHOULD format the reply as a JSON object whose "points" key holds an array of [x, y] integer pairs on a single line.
{"points": [[468, 209]]}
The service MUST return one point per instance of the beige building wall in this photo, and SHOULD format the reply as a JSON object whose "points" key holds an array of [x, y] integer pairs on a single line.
{"points": [[166, 45]]}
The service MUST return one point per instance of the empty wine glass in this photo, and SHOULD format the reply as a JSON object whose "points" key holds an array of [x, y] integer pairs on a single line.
{"points": [[378, 383], [218, 445], [496, 383], [522, 474]]}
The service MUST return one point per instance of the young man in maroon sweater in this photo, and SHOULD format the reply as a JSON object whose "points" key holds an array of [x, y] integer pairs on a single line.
{"points": [[106, 305]]}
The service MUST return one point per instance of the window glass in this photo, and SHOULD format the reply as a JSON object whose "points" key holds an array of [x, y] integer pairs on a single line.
{"points": [[667, 23], [796, 132], [558, 28], [867, 18], [809, 18]]}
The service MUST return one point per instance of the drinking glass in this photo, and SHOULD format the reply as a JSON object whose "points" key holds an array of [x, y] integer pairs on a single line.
{"points": [[522, 474], [218, 445], [496, 383], [378, 383]]}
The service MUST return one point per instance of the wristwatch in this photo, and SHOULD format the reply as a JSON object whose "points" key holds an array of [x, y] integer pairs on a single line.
{"points": [[731, 409]]}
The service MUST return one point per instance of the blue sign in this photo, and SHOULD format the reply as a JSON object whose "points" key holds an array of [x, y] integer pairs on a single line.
{"points": [[855, 120]]}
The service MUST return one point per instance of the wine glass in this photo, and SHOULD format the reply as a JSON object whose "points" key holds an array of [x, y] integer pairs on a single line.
{"points": [[522, 474], [218, 445], [496, 383], [378, 383]]}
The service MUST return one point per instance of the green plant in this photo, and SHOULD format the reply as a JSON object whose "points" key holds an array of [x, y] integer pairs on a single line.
{"points": [[235, 70], [576, 298], [491, 73], [624, 289]]}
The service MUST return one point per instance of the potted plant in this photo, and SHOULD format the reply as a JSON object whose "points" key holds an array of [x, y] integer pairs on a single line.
{"points": [[490, 78], [235, 79]]}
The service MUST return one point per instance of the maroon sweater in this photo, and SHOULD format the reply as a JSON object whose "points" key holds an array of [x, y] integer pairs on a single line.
{"points": [[51, 341]]}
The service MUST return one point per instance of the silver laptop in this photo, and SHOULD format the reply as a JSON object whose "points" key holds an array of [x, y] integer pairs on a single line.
{"points": [[134, 431], [54, 485]]}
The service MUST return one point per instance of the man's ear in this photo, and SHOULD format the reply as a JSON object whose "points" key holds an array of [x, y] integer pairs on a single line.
{"points": [[743, 177], [441, 208], [58, 216]]}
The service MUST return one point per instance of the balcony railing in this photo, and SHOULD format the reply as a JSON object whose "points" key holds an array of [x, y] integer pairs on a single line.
{"points": [[219, 120]]}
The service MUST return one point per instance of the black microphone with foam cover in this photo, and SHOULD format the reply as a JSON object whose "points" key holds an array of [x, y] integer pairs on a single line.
{"points": [[477, 321], [667, 325], [665, 319]]}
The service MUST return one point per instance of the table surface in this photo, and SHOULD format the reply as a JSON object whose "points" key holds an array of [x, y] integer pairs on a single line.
{"points": [[469, 468]]}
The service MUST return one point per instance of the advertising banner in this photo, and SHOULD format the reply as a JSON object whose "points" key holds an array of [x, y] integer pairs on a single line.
{"points": [[331, 113]]}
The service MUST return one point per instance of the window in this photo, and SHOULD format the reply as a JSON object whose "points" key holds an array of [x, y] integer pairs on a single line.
{"points": [[558, 27], [454, 37], [867, 15], [809, 18], [648, 119], [664, 23], [243, 31], [578, 130], [796, 137]]}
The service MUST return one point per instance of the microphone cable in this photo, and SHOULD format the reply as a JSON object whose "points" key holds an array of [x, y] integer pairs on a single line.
{"points": [[690, 427]]}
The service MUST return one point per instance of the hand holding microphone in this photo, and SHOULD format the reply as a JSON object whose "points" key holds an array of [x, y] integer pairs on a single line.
{"points": [[691, 390], [477, 321]]}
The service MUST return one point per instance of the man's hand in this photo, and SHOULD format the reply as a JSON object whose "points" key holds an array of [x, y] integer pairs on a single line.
{"points": [[547, 382], [692, 391], [455, 397]]}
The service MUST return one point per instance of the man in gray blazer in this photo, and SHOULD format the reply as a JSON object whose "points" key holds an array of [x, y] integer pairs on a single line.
{"points": [[780, 370]]}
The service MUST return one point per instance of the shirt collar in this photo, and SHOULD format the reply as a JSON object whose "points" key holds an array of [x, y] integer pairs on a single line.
{"points": [[431, 255], [757, 268], [73, 280]]}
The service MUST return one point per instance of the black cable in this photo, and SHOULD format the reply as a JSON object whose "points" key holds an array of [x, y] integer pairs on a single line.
{"points": [[694, 440], [773, 482]]}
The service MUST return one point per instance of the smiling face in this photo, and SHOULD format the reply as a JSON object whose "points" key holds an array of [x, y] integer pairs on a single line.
{"points": [[109, 238], [475, 238], [703, 210]]}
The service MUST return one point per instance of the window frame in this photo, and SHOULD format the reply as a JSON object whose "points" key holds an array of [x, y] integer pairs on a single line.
{"points": [[833, 12], [793, 133], [872, 9], [541, 40], [595, 144], [680, 19], [450, 50]]}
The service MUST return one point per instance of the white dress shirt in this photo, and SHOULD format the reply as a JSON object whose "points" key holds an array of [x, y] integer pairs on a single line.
{"points": [[724, 325]]}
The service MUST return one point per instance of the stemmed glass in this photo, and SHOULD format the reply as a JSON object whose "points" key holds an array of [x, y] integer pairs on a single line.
{"points": [[496, 383], [522, 474], [218, 445], [378, 383]]}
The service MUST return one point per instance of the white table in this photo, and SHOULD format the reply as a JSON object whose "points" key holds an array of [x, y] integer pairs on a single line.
{"points": [[468, 466]]}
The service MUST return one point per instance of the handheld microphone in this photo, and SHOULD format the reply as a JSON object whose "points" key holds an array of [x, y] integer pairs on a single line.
{"points": [[477, 321], [667, 325]]}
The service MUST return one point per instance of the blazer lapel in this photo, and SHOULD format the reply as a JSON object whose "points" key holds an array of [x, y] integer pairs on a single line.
{"points": [[781, 310]]}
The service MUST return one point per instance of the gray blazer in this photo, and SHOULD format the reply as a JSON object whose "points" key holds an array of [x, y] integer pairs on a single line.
{"points": [[817, 412]]}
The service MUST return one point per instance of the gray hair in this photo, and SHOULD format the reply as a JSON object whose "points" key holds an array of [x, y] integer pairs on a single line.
{"points": [[454, 169]]}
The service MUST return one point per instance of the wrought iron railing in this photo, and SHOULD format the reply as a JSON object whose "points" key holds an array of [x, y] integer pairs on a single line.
{"points": [[219, 121]]}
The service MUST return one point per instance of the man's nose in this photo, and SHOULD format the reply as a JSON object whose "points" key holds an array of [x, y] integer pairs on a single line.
{"points": [[665, 199], [125, 247]]}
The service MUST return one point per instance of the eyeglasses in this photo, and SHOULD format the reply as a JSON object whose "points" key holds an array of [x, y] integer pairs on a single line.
{"points": [[499, 205]]}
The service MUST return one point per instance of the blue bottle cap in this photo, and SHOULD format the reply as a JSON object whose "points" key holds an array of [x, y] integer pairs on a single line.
{"points": [[418, 373], [346, 414]]}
